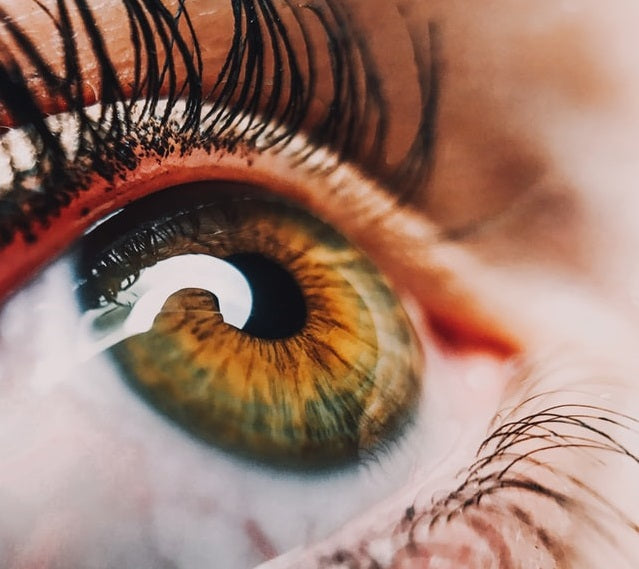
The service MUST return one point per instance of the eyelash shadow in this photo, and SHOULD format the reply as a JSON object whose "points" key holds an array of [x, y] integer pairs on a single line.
{"points": [[237, 109]]}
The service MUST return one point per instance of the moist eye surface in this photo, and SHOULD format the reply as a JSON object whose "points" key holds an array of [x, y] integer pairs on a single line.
{"points": [[320, 370]]}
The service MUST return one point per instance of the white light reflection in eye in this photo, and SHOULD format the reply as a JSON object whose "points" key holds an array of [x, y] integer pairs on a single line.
{"points": [[139, 304]]}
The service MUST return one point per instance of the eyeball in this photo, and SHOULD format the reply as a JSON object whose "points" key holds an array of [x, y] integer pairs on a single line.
{"points": [[324, 371]]}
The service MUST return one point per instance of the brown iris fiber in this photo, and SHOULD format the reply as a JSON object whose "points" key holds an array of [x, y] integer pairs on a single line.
{"points": [[342, 385]]}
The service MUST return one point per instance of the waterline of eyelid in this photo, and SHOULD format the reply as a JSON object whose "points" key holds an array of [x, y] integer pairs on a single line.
{"points": [[359, 196]]}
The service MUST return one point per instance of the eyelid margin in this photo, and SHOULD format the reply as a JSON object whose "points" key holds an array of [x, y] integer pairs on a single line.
{"points": [[365, 212]]}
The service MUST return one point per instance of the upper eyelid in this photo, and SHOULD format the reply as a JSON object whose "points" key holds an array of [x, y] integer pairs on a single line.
{"points": [[59, 211], [357, 111]]}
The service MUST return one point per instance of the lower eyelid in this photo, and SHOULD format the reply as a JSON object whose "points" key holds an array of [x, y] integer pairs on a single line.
{"points": [[461, 397], [540, 501]]}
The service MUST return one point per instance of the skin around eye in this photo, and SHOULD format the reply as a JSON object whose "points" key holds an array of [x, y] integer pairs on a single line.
{"points": [[542, 98], [326, 369]]}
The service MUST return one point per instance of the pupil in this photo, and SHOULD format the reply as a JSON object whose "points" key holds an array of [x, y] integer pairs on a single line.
{"points": [[279, 309]]}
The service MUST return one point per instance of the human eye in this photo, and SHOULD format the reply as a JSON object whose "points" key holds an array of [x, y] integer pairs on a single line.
{"points": [[508, 463]]}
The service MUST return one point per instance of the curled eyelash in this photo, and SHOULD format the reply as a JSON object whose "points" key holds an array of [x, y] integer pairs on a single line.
{"points": [[515, 476], [276, 45]]}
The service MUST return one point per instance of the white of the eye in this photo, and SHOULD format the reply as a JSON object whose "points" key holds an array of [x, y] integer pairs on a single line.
{"points": [[155, 284]]}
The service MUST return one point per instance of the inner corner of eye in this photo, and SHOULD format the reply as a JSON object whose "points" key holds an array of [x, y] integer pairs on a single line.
{"points": [[251, 325]]}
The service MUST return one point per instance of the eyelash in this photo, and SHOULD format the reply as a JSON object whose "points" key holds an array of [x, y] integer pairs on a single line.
{"points": [[236, 112], [496, 500], [268, 121], [159, 114]]}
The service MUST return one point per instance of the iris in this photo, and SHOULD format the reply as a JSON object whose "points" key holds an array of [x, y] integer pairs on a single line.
{"points": [[323, 370]]}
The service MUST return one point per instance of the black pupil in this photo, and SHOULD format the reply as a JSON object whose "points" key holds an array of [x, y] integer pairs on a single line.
{"points": [[278, 310]]}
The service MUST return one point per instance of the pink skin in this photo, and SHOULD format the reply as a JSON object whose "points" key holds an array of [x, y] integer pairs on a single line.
{"points": [[538, 123]]}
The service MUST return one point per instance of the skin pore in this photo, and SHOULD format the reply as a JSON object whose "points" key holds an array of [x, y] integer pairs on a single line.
{"points": [[514, 254]]}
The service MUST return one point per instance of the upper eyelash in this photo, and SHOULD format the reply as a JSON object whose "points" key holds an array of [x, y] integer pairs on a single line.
{"points": [[236, 110]]}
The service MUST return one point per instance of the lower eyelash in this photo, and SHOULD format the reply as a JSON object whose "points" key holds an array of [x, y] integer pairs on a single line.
{"points": [[517, 507]]}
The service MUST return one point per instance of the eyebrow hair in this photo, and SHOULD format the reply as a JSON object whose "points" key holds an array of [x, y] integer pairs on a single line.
{"points": [[355, 125]]}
